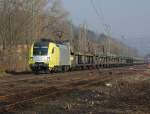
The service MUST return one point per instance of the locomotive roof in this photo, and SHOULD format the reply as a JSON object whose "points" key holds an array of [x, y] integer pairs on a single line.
{"points": [[45, 42], [57, 42], [41, 44]]}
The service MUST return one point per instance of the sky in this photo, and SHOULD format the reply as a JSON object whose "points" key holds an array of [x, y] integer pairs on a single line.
{"points": [[129, 19]]}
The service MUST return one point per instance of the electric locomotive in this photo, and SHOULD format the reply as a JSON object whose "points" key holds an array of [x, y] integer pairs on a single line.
{"points": [[47, 55]]}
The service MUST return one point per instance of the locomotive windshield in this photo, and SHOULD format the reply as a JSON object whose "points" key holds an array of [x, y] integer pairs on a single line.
{"points": [[40, 51]]}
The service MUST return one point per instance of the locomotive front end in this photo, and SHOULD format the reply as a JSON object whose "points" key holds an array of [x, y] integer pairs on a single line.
{"points": [[39, 57]]}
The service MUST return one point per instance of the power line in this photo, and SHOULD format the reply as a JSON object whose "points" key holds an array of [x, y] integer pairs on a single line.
{"points": [[106, 27], [99, 14]]}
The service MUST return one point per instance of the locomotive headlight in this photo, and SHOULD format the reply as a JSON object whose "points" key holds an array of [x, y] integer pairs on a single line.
{"points": [[31, 58], [48, 59]]}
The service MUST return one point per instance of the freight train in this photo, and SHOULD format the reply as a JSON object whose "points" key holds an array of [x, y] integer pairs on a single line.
{"points": [[46, 56]]}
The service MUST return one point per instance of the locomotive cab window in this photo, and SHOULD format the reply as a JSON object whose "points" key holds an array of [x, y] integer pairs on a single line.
{"points": [[40, 51]]}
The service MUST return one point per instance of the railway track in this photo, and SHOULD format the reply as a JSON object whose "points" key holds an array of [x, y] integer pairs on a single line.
{"points": [[11, 102], [24, 77], [30, 97], [18, 100]]}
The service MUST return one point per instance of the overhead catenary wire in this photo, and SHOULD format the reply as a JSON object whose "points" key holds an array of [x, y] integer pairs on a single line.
{"points": [[106, 27], [100, 14]]}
